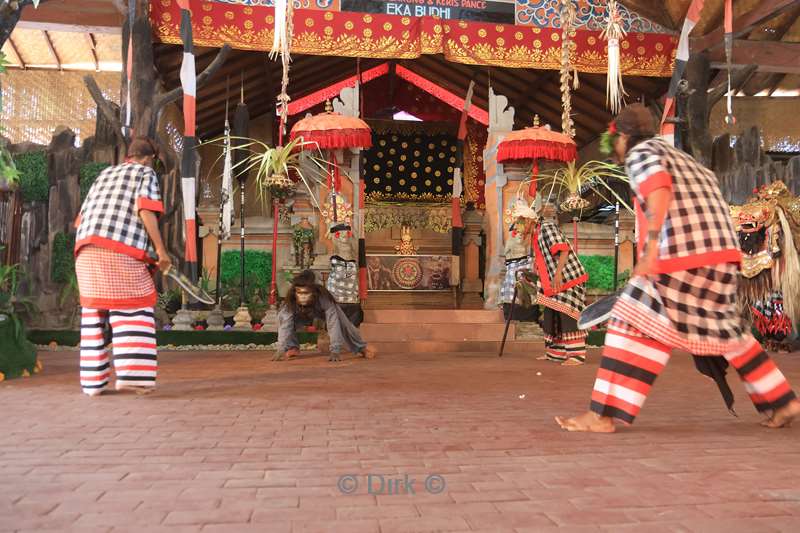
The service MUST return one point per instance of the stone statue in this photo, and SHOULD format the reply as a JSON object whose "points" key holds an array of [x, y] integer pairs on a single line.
{"points": [[343, 277], [406, 246], [303, 240]]}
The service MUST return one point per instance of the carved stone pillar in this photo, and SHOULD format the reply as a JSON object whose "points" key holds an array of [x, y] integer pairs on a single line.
{"points": [[471, 283], [501, 121]]}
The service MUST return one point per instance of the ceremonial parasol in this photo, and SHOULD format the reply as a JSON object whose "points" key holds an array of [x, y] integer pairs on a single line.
{"points": [[536, 143], [333, 131]]}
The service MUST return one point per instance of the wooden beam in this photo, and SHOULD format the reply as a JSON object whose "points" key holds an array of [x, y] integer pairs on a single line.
{"points": [[16, 53], [68, 28], [764, 11], [99, 13], [655, 11], [768, 56], [93, 48], [52, 49]]}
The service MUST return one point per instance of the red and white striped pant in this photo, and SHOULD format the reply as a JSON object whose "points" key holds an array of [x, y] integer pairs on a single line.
{"points": [[133, 334], [565, 346], [631, 363]]}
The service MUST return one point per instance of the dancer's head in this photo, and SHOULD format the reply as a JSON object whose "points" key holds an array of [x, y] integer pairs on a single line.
{"points": [[305, 291], [143, 151], [634, 124]]}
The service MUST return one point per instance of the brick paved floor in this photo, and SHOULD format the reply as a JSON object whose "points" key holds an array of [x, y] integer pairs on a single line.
{"points": [[234, 442]]}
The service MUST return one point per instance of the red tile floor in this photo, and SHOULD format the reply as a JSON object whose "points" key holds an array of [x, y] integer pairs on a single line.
{"points": [[234, 442]]}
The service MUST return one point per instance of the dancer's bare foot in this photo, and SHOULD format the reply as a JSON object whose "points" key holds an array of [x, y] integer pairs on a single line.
{"points": [[368, 353], [588, 421], [782, 418], [573, 361]]}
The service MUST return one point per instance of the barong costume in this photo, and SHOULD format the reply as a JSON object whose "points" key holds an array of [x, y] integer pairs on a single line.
{"points": [[690, 302], [563, 340], [113, 251]]}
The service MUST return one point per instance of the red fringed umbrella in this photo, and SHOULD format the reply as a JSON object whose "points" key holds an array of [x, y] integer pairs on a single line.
{"points": [[536, 143], [332, 131]]}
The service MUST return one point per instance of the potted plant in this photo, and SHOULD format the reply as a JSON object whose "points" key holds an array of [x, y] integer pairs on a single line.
{"points": [[569, 182], [17, 354]]}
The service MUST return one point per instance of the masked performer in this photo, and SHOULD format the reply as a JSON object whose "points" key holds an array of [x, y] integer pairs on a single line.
{"points": [[117, 231], [518, 261], [343, 278], [769, 285], [683, 290], [562, 290], [307, 302]]}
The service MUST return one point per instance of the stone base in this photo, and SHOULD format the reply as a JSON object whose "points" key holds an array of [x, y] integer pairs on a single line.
{"points": [[216, 320], [183, 320], [242, 319], [270, 320], [528, 331]]}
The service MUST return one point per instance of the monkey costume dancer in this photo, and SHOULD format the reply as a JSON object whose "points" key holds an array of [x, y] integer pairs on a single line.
{"points": [[306, 302], [562, 290], [117, 231], [683, 290]]}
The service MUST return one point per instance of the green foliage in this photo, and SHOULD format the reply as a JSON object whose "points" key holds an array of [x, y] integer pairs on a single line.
{"points": [[33, 179], [3, 62], [601, 272], [258, 274], [88, 174], [62, 262], [170, 300], [8, 171]]}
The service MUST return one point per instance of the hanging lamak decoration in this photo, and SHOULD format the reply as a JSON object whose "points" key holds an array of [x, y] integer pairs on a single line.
{"points": [[281, 45], [569, 76], [613, 33]]}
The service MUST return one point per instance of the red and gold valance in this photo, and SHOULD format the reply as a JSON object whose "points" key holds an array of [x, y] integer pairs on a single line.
{"points": [[389, 36]]}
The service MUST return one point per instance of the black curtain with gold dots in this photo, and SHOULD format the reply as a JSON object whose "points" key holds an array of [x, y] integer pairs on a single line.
{"points": [[410, 161]]}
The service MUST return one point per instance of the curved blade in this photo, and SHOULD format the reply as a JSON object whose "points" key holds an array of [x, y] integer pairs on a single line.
{"points": [[186, 284]]}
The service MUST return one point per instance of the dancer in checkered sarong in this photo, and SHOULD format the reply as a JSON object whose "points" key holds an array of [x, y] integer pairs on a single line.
{"points": [[683, 290], [562, 289], [116, 226]]}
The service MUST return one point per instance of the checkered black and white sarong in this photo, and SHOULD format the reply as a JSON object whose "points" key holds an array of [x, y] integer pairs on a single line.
{"points": [[693, 310], [513, 266], [343, 280], [570, 300]]}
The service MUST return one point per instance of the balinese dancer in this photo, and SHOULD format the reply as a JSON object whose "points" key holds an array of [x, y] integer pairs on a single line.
{"points": [[307, 302], [117, 235], [343, 277], [562, 290], [769, 284], [683, 290], [518, 261]]}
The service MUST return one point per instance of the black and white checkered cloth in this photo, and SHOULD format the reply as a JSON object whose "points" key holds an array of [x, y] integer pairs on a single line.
{"points": [[343, 280], [570, 301], [109, 216], [698, 222], [513, 266], [694, 310]]}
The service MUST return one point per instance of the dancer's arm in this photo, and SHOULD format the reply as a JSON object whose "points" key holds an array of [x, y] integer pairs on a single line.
{"points": [[151, 225], [558, 280], [657, 203]]}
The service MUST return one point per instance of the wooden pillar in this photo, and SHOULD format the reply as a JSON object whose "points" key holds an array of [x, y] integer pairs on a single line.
{"points": [[471, 284], [208, 232], [698, 74]]}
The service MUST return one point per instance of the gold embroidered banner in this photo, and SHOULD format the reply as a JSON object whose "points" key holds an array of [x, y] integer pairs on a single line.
{"points": [[390, 36]]}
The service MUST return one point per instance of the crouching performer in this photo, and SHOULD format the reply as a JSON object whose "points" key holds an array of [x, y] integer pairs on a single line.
{"points": [[306, 302], [683, 290], [117, 235]]}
